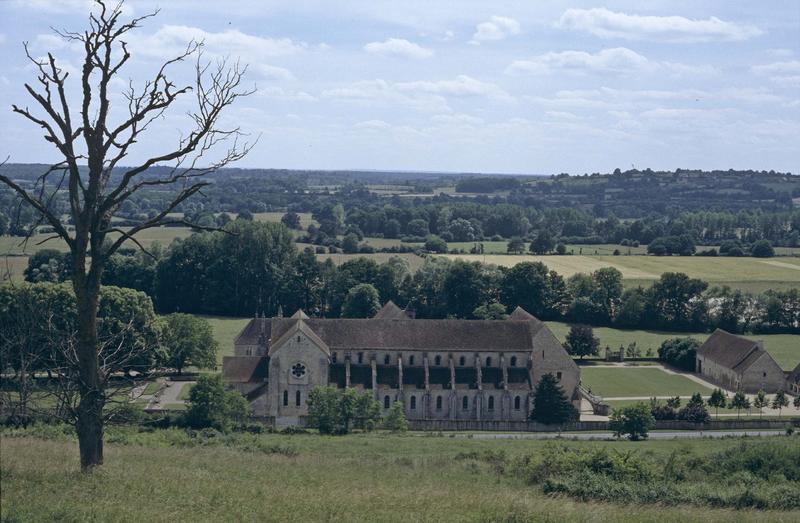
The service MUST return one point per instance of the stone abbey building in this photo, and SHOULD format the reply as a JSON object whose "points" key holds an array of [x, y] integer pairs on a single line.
{"points": [[438, 369]]}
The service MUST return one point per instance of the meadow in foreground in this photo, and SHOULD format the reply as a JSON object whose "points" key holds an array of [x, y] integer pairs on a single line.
{"points": [[166, 475]]}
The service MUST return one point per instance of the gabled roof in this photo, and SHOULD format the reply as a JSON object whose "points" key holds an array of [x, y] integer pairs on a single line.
{"points": [[794, 376], [731, 351], [243, 369], [521, 314], [408, 334], [297, 326], [390, 311], [253, 330], [300, 315]]}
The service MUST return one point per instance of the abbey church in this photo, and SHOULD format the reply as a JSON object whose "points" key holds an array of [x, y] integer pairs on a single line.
{"points": [[438, 369]]}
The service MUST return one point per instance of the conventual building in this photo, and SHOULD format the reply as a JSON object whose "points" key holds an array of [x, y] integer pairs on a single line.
{"points": [[438, 369]]}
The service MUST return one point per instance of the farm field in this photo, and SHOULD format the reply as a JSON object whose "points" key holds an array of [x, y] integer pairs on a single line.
{"points": [[414, 261], [753, 273], [624, 382], [377, 477], [785, 348], [13, 267], [275, 217], [162, 235]]}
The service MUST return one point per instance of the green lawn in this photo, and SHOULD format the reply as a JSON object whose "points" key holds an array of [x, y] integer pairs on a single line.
{"points": [[12, 267], [183, 395], [638, 382], [225, 330], [785, 348], [358, 478], [752, 274], [162, 235], [151, 388]]}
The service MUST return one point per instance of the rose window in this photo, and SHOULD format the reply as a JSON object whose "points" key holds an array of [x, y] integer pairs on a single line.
{"points": [[298, 370]]}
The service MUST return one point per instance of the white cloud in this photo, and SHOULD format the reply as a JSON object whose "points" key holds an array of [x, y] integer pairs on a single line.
{"points": [[279, 93], [372, 92], [783, 74], [609, 24], [456, 119], [618, 59], [172, 39], [462, 85], [271, 72], [398, 47], [373, 125], [497, 28], [67, 6]]}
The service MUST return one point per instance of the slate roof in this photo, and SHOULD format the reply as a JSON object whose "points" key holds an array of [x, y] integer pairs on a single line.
{"points": [[390, 311], [522, 333], [296, 326], [794, 376], [408, 334], [731, 351], [243, 369]]}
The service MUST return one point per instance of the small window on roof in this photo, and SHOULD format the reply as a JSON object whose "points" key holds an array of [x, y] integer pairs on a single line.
{"points": [[411, 360], [513, 361], [386, 360], [437, 360], [462, 361]]}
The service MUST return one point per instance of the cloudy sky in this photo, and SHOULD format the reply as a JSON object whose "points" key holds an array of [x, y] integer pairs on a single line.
{"points": [[512, 87]]}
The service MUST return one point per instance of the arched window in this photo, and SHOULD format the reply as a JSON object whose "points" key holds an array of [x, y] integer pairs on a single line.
{"points": [[286, 398], [360, 358], [516, 403], [438, 403], [462, 361], [413, 402], [386, 360], [491, 402], [297, 398], [411, 360], [465, 403], [386, 402], [513, 361], [489, 361], [437, 360], [298, 339]]}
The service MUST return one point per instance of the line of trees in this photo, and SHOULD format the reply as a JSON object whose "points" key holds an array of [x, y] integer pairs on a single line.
{"points": [[255, 267]]}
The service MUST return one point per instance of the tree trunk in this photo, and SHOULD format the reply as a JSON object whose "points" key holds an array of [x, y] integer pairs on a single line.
{"points": [[89, 423]]}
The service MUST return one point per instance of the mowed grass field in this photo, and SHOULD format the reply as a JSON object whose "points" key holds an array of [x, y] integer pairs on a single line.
{"points": [[785, 348], [638, 382], [162, 235], [357, 478], [752, 274], [414, 261], [225, 331], [13, 268]]}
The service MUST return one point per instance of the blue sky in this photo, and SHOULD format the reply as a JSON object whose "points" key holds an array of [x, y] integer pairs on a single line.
{"points": [[514, 87]]}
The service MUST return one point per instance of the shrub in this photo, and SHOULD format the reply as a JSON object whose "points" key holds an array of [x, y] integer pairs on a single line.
{"points": [[679, 352], [550, 404], [211, 405], [395, 419], [334, 411], [635, 421], [695, 410]]}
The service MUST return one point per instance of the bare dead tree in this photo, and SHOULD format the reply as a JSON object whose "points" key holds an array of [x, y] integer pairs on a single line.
{"points": [[84, 133]]}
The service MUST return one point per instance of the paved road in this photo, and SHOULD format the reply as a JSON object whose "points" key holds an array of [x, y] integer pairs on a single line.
{"points": [[687, 434]]}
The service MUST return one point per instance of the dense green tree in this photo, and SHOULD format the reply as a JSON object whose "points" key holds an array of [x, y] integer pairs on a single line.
{"points": [[779, 401], [466, 286], [550, 404], [718, 400], [395, 419], [516, 246], [291, 220], [739, 402], [189, 341], [435, 244], [674, 302], [543, 243], [362, 301], [679, 352], [526, 285], [48, 265], [350, 243], [490, 311], [635, 421], [211, 405], [761, 402], [581, 341], [762, 249], [632, 306], [335, 411], [695, 410]]}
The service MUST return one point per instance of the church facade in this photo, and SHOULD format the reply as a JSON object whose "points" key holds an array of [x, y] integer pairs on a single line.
{"points": [[438, 369]]}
